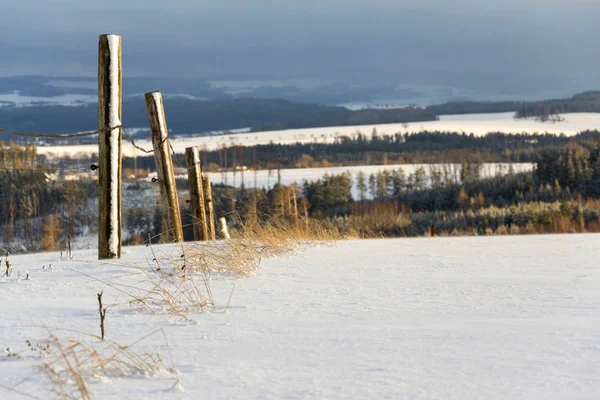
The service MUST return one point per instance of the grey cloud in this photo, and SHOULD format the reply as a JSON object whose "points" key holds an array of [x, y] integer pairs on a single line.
{"points": [[549, 43]]}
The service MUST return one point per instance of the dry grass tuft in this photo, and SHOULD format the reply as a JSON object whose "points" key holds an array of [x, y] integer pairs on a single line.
{"points": [[179, 283], [74, 363], [174, 291], [242, 255]]}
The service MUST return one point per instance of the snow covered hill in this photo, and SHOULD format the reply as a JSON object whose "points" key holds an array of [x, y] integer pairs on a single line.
{"points": [[478, 124], [442, 318]]}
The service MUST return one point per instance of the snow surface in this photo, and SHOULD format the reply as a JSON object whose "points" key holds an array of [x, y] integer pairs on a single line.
{"points": [[444, 318], [478, 124]]}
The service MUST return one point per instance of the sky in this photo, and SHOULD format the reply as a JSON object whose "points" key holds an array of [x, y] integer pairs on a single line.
{"points": [[488, 44]]}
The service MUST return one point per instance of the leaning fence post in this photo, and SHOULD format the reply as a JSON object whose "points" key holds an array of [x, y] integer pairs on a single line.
{"points": [[197, 204], [210, 211], [109, 141], [164, 164]]}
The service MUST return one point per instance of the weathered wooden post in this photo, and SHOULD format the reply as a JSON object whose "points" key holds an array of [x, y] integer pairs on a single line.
{"points": [[197, 203], [164, 165], [210, 212], [109, 141]]}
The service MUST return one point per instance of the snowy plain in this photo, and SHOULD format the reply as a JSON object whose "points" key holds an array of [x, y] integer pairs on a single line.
{"points": [[267, 178], [478, 124], [430, 318]]}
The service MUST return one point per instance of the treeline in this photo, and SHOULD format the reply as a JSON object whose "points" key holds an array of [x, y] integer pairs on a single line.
{"points": [[380, 149], [475, 107], [28, 196], [574, 167], [561, 195], [186, 115], [196, 116], [543, 110], [588, 102], [13, 155]]}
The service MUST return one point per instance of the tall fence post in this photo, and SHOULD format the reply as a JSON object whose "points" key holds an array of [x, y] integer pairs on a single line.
{"points": [[197, 204], [164, 165], [109, 141], [210, 212]]}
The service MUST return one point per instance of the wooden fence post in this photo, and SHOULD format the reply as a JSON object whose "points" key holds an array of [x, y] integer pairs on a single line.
{"points": [[210, 211], [164, 165], [109, 141], [197, 204]]}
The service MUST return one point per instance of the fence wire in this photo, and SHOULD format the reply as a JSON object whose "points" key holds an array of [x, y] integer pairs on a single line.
{"points": [[59, 135]]}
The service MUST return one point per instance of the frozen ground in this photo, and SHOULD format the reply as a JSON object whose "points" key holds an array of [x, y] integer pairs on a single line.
{"points": [[478, 124], [444, 318]]}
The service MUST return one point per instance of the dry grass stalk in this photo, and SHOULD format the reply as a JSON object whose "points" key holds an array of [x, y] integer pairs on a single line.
{"points": [[75, 363], [242, 255], [175, 292], [180, 284]]}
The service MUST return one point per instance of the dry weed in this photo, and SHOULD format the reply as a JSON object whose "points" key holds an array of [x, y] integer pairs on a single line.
{"points": [[174, 292], [74, 363], [242, 255], [179, 283]]}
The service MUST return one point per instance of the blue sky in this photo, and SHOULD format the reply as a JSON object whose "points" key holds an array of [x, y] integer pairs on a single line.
{"points": [[542, 42]]}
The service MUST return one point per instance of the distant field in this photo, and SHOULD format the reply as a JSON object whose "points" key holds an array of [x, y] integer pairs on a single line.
{"points": [[265, 178], [478, 124]]}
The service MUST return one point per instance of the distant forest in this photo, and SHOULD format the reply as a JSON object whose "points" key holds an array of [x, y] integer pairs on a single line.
{"points": [[189, 116], [561, 194], [197, 116], [544, 110], [588, 102]]}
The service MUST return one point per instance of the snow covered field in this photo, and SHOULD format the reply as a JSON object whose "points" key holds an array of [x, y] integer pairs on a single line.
{"points": [[444, 318], [266, 178], [478, 124]]}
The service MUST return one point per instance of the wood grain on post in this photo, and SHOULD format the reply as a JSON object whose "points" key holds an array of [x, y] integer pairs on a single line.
{"points": [[197, 203], [110, 96], [164, 165], [210, 211]]}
